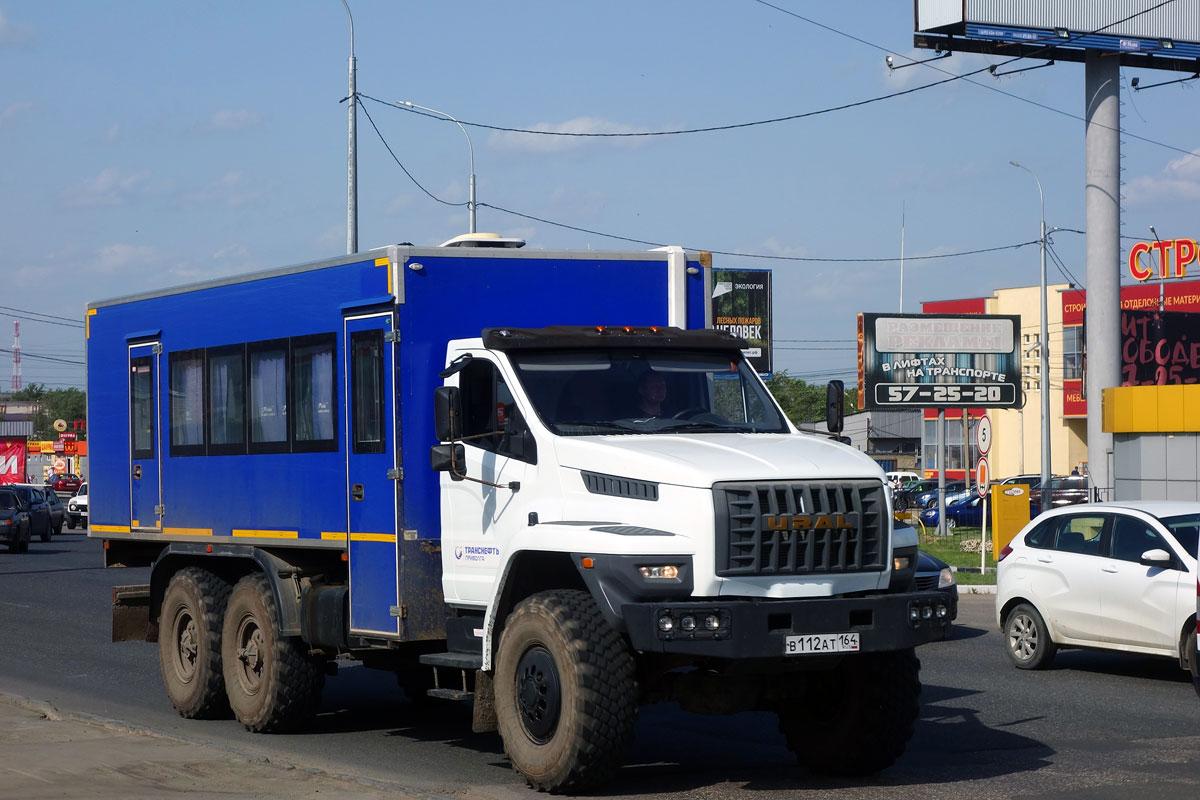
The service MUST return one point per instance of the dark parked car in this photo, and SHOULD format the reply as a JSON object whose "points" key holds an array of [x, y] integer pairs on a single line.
{"points": [[64, 483], [929, 497], [905, 497], [966, 511], [933, 574], [46, 511], [14, 521], [1066, 491]]}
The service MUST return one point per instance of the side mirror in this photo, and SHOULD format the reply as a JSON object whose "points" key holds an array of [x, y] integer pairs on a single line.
{"points": [[450, 458], [1156, 558], [447, 413], [835, 393]]}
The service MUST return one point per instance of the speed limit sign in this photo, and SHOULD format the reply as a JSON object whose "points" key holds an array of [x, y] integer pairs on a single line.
{"points": [[983, 434]]}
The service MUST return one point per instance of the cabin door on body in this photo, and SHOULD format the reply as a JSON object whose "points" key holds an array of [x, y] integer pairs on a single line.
{"points": [[371, 474], [145, 440]]}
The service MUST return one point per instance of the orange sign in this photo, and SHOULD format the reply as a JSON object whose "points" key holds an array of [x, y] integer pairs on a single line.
{"points": [[1179, 252]]}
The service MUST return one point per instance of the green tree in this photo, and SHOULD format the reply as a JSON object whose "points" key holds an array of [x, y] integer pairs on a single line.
{"points": [[804, 402], [65, 404]]}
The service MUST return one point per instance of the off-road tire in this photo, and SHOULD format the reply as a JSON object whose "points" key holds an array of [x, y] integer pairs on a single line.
{"points": [[566, 693], [855, 719], [274, 686], [189, 643], [1027, 639]]}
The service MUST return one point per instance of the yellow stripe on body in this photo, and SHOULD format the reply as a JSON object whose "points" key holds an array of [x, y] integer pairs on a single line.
{"points": [[333, 536], [266, 534], [87, 334], [373, 537], [188, 531], [109, 528]]}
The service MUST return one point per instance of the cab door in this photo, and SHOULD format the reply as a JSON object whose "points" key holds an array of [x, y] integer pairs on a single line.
{"points": [[481, 514], [145, 417], [371, 474]]}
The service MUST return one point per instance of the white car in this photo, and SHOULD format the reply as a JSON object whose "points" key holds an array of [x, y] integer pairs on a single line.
{"points": [[1112, 576], [77, 508]]}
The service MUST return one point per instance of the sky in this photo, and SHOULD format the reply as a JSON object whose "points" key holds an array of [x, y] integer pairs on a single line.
{"points": [[148, 144]]}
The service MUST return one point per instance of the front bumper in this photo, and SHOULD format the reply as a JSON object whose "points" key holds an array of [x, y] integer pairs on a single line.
{"points": [[756, 628]]}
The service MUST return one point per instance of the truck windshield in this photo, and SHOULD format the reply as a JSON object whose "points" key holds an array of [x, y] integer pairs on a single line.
{"points": [[636, 391]]}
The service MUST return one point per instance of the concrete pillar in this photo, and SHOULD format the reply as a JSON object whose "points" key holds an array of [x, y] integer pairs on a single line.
{"points": [[1103, 217]]}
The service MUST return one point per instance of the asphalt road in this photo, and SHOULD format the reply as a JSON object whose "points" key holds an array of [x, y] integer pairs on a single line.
{"points": [[1098, 725]]}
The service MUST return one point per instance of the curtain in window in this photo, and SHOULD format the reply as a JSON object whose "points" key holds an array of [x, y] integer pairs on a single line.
{"points": [[226, 399], [268, 396], [313, 381], [187, 401]]}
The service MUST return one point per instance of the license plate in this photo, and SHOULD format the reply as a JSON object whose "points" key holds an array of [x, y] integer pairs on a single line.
{"points": [[820, 643]]}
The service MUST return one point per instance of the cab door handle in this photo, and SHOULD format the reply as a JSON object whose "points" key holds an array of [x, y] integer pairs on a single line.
{"points": [[357, 492]]}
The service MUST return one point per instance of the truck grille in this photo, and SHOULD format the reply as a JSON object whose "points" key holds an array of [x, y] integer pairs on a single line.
{"points": [[800, 528]]}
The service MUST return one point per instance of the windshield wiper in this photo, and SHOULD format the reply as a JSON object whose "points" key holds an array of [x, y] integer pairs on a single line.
{"points": [[593, 427]]}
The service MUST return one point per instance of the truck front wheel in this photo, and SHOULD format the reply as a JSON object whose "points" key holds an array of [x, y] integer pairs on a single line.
{"points": [[566, 697], [189, 643], [273, 684], [858, 718]]}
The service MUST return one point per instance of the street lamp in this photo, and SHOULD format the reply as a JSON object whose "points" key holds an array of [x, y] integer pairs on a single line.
{"points": [[470, 150], [1044, 350], [1162, 272]]}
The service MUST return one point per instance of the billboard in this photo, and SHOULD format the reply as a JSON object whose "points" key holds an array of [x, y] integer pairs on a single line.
{"points": [[939, 361], [741, 304], [1159, 348], [12, 461]]}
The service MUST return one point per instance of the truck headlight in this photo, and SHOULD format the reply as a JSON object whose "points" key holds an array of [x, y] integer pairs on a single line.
{"points": [[665, 571], [900, 563]]}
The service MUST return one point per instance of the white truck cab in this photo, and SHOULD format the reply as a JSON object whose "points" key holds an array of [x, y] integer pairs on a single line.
{"points": [[646, 480]]}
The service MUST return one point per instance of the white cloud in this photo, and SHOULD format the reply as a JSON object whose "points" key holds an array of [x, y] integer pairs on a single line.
{"points": [[121, 258], [112, 134], [1178, 180], [230, 189], [538, 143], [231, 120], [14, 110], [111, 187], [11, 34]]}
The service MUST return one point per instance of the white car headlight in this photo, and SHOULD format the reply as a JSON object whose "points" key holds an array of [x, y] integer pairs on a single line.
{"points": [[945, 578]]}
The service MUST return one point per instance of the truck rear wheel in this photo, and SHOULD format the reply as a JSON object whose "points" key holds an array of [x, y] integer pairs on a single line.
{"points": [[858, 718], [273, 684], [189, 643], [566, 696]]}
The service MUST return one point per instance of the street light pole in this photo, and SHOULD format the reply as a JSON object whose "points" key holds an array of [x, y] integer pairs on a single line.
{"points": [[1162, 272], [471, 152], [1044, 349], [352, 153]]}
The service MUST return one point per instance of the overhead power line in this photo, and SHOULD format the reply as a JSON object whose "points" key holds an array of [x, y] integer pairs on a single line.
{"points": [[25, 354]]}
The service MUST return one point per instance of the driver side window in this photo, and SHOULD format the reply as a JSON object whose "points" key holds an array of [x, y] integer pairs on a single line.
{"points": [[490, 416]]}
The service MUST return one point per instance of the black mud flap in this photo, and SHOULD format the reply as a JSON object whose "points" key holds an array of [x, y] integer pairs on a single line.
{"points": [[131, 615]]}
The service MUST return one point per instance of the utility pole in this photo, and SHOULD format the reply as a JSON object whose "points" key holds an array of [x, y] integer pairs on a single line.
{"points": [[352, 154]]}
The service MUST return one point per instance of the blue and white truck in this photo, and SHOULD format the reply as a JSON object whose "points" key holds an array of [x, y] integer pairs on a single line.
{"points": [[531, 479]]}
